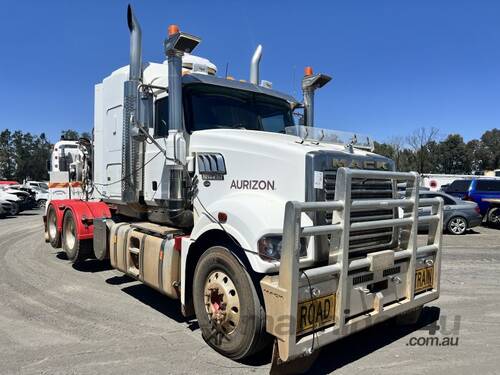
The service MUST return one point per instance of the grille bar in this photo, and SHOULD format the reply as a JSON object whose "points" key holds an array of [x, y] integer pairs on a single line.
{"points": [[363, 241]]}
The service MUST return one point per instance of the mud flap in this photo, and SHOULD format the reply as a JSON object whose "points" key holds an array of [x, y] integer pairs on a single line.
{"points": [[299, 365]]}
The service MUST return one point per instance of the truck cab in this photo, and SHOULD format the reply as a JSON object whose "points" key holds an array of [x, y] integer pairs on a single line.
{"points": [[206, 189]]}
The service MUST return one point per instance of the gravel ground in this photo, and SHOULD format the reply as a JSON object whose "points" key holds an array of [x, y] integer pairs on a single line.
{"points": [[59, 319]]}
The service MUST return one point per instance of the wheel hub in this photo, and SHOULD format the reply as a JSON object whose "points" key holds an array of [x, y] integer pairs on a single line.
{"points": [[222, 302], [457, 225]]}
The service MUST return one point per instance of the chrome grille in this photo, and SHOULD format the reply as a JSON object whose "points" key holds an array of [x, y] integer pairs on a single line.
{"points": [[364, 241]]}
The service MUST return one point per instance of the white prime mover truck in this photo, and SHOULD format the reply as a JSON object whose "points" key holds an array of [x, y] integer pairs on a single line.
{"points": [[205, 189]]}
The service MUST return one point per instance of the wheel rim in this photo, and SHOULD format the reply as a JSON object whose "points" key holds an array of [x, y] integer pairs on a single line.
{"points": [[52, 225], [458, 225], [69, 234], [495, 216], [42, 204], [13, 210], [222, 303]]}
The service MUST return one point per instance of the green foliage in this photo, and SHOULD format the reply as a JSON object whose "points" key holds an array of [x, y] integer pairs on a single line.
{"points": [[25, 155], [70, 135], [423, 153]]}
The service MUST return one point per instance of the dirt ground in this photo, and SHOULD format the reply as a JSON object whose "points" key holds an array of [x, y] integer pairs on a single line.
{"points": [[56, 318]]}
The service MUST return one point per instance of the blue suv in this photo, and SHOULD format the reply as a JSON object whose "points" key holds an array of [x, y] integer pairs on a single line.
{"points": [[476, 190]]}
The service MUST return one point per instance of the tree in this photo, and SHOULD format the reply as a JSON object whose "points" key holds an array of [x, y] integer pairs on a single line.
{"points": [[491, 148], [418, 141], [7, 162], [86, 135], [384, 149], [476, 154], [70, 135], [453, 155]]}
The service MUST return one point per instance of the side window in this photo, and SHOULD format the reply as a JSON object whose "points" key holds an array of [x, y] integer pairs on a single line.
{"points": [[447, 200], [459, 186], [161, 118], [488, 185]]}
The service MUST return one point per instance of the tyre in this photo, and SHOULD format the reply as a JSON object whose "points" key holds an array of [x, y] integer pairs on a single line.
{"points": [[41, 203], [457, 225], [494, 216], [409, 317], [75, 249], [14, 209], [226, 304], [53, 233]]}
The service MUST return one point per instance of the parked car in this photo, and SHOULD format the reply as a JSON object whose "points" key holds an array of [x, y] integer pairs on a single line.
{"points": [[37, 184], [5, 208], [7, 183], [13, 199], [479, 190], [459, 215], [458, 188], [26, 200]]}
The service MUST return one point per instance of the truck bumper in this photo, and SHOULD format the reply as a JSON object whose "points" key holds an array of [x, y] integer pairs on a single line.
{"points": [[348, 295]]}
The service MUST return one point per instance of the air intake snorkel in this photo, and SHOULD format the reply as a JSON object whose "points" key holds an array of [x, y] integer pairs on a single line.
{"points": [[310, 83]]}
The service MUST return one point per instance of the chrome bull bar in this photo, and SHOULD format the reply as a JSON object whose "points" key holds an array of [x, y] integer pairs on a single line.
{"points": [[281, 292]]}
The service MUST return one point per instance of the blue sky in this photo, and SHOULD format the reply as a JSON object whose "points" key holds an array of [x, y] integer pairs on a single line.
{"points": [[396, 65]]}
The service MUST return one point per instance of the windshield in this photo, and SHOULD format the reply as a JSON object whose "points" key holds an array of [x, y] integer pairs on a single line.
{"points": [[216, 107]]}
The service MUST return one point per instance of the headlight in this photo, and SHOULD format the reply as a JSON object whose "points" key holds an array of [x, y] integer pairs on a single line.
{"points": [[270, 247]]}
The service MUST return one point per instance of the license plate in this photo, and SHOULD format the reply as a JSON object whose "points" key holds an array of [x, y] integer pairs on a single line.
{"points": [[424, 278], [316, 313]]}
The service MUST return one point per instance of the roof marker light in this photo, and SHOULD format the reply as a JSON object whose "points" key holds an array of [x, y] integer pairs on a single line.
{"points": [[173, 29]]}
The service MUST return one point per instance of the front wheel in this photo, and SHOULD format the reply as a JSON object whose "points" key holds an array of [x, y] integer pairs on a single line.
{"points": [[14, 209], [457, 225], [41, 203], [228, 309], [75, 249]]}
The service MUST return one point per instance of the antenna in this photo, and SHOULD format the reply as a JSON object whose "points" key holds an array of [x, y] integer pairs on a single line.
{"points": [[227, 69]]}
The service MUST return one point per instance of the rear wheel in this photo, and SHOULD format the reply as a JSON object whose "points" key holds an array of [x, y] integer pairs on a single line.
{"points": [[457, 225], [75, 249], [227, 306], [53, 233], [494, 216]]}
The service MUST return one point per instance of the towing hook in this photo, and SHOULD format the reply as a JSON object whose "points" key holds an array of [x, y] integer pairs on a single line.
{"points": [[315, 292]]}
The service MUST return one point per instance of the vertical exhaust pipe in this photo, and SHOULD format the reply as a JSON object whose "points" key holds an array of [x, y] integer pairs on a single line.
{"points": [[135, 73], [254, 65], [132, 146]]}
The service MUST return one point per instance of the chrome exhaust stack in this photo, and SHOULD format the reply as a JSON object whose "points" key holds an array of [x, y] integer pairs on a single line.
{"points": [[132, 145], [310, 83], [254, 65]]}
